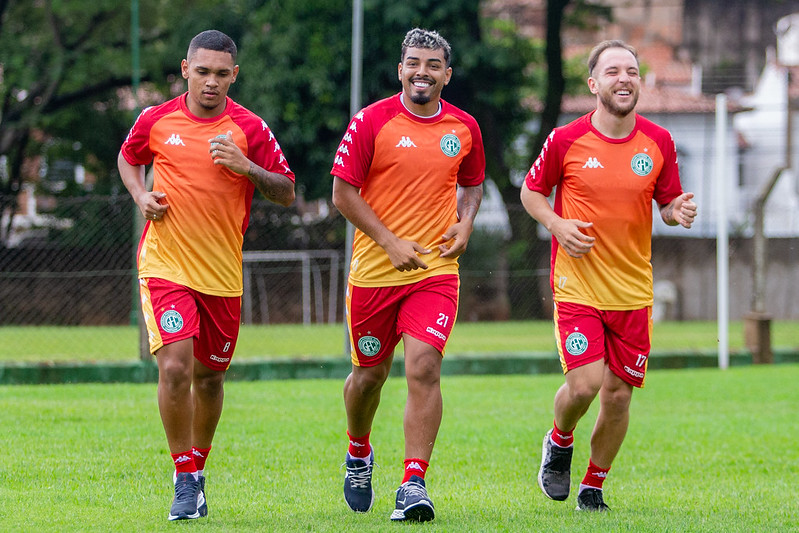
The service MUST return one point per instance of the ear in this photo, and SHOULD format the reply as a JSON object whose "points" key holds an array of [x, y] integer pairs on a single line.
{"points": [[235, 73], [399, 71], [184, 69], [448, 75], [592, 85]]}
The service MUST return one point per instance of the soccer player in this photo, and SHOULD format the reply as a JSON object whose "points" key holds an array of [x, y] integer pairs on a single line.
{"points": [[607, 167], [408, 175], [209, 154]]}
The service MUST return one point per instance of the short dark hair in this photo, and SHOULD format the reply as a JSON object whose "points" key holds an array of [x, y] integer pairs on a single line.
{"points": [[212, 40], [593, 57], [431, 40]]}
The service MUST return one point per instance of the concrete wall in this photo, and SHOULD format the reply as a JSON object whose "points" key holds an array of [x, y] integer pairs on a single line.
{"points": [[690, 264]]}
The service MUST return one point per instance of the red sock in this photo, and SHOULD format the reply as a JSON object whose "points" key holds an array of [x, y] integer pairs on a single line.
{"points": [[415, 467], [184, 462], [359, 447], [200, 456], [594, 476], [561, 438]]}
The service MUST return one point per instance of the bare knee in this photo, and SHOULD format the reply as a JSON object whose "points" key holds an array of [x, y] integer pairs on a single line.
{"points": [[616, 399], [424, 373], [209, 384], [582, 392], [367, 380], [174, 374]]}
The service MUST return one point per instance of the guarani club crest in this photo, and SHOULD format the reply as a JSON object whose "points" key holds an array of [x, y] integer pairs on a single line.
{"points": [[641, 164], [171, 321], [576, 343], [450, 145], [369, 346]]}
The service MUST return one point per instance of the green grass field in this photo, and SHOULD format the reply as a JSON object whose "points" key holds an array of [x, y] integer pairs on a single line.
{"points": [[119, 343], [707, 451]]}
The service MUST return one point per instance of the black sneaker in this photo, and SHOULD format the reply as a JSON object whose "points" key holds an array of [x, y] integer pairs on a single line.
{"points": [[202, 504], [413, 503], [554, 474], [184, 505], [358, 492], [591, 500]]}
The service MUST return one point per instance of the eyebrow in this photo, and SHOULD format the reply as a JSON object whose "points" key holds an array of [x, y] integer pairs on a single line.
{"points": [[221, 70], [618, 67], [436, 59]]}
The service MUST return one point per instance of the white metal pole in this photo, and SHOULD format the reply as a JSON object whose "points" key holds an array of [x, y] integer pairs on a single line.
{"points": [[722, 241]]}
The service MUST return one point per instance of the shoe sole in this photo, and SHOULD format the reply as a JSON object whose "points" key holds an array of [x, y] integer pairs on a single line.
{"points": [[184, 516], [541, 472], [420, 512], [587, 510]]}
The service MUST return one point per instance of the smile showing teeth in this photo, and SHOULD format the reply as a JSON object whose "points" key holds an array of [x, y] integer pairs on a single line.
{"points": [[421, 84]]}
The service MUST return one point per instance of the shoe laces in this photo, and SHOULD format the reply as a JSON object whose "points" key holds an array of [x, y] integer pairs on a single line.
{"points": [[414, 490], [185, 489], [359, 477]]}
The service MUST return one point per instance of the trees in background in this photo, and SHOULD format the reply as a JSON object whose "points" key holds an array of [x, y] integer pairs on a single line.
{"points": [[67, 74], [296, 70], [66, 64]]}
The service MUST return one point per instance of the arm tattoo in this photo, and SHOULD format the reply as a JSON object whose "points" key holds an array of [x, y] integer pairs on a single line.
{"points": [[274, 187], [469, 200]]}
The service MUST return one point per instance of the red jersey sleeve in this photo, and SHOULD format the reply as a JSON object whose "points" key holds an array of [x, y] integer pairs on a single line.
{"points": [[545, 173], [136, 148], [472, 168], [262, 146], [354, 154], [667, 186]]}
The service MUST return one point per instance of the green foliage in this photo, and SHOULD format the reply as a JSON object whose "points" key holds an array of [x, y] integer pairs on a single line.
{"points": [[295, 72], [65, 63]]}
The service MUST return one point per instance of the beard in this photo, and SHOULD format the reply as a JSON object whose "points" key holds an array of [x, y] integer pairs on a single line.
{"points": [[420, 99], [616, 110]]}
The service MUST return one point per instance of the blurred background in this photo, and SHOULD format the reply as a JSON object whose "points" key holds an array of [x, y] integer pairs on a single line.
{"points": [[74, 76]]}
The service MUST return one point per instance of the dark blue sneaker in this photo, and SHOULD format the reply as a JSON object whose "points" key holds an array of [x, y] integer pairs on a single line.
{"points": [[413, 503], [358, 492], [184, 506], [202, 504]]}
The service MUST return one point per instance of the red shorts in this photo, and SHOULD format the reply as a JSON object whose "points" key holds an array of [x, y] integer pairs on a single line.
{"points": [[621, 338], [378, 316], [173, 312]]}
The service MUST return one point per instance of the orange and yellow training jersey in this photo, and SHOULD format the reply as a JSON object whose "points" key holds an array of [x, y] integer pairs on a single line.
{"points": [[610, 183], [198, 241], [408, 168]]}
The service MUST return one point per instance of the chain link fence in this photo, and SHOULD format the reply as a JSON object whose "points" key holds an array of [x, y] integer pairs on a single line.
{"points": [[69, 262]]}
